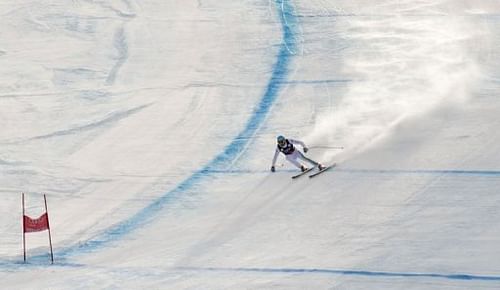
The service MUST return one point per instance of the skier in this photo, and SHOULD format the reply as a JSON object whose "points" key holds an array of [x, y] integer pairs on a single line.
{"points": [[286, 147]]}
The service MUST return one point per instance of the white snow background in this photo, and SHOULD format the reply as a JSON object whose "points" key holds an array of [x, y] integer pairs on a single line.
{"points": [[150, 126]]}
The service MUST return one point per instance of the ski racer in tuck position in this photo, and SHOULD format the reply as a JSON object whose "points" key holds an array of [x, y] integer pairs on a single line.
{"points": [[286, 146]]}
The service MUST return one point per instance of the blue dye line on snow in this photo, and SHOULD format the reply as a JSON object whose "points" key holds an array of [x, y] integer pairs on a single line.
{"points": [[222, 161], [349, 273], [426, 171], [374, 171], [313, 82]]}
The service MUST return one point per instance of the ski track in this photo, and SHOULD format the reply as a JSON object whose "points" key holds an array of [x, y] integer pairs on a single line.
{"points": [[112, 118], [222, 161], [120, 42]]}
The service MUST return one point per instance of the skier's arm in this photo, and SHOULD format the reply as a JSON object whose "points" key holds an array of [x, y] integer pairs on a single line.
{"points": [[276, 153], [295, 142]]}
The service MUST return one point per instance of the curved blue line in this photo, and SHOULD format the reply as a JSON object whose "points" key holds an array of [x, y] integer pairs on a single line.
{"points": [[224, 160]]}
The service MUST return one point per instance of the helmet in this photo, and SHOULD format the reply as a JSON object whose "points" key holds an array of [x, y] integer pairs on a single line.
{"points": [[281, 140]]}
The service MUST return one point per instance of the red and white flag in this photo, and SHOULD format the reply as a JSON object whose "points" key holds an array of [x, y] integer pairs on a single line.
{"points": [[36, 225]]}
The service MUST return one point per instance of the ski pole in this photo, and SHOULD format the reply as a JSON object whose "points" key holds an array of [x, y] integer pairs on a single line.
{"points": [[328, 147]]}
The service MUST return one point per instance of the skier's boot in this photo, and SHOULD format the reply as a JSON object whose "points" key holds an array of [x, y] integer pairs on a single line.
{"points": [[303, 168], [321, 167]]}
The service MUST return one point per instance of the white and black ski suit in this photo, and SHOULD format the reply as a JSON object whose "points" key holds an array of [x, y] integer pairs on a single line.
{"points": [[292, 154]]}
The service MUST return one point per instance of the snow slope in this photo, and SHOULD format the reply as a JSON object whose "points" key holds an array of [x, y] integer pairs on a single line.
{"points": [[150, 125]]}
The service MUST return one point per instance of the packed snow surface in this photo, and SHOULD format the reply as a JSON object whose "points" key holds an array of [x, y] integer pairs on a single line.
{"points": [[151, 125]]}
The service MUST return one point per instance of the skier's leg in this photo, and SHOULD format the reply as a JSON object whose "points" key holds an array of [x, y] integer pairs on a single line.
{"points": [[292, 158], [300, 155]]}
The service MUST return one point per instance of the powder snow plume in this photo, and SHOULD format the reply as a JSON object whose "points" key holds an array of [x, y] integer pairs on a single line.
{"points": [[406, 59]]}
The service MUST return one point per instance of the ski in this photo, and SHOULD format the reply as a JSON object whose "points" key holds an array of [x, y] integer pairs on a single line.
{"points": [[322, 170], [302, 173]]}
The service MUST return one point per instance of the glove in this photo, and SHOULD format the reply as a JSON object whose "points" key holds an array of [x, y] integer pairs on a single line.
{"points": [[272, 169], [306, 149]]}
